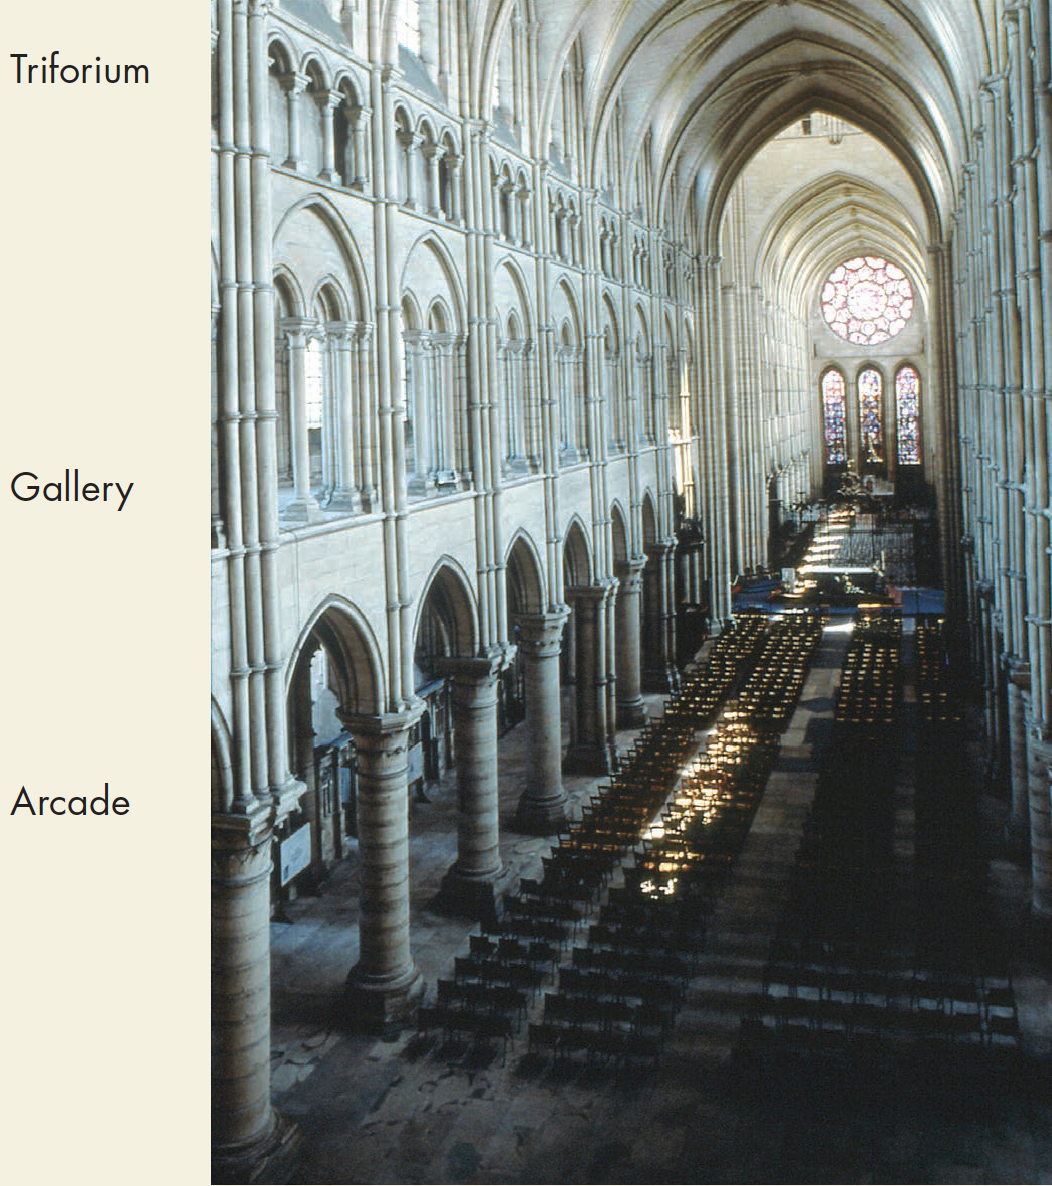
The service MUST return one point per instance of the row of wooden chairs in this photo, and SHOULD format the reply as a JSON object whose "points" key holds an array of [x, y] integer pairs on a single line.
{"points": [[937, 695], [608, 1013], [617, 998], [771, 691], [817, 985], [639, 957], [484, 1029], [641, 986], [609, 1047], [821, 993], [871, 680], [898, 1020], [499, 971], [954, 918]]}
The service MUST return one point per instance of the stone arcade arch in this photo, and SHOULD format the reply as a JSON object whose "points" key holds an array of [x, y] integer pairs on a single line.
{"points": [[222, 762], [537, 624], [659, 672], [628, 614], [385, 983], [592, 748], [458, 682]]}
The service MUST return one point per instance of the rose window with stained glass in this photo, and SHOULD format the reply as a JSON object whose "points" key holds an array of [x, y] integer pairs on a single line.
{"points": [[867, 300]]}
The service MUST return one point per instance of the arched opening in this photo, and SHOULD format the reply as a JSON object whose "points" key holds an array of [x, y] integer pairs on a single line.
{"points": [[577, 573], [588, 665], [315, 113], [446, 629], [334, 672], [448, 180], [525, 595], [628, 624]]}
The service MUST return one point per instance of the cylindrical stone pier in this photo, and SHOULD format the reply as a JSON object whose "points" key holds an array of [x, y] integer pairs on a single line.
{"points": [[591, 747], [246, 1132], [631, 712], [659, 671], [382, 989], [542, 807], [1039, 753], [476, 880]]}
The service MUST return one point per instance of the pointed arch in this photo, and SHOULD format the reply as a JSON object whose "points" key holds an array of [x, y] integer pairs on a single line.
{"points": [[525, 575], [641, 329], [447, 593], [291, 302], [439, 317], [620, 535], [643, 367], [412, 318], [357, 660], [357, 285], [649, 518], [510, 288], [612, 321], [222, 761], [577, 553], [330, 297], [428, 242], [612, 363], [564, 306]]}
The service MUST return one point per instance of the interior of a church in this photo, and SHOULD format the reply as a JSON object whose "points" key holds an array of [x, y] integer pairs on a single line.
{"points": [[631, 591]]}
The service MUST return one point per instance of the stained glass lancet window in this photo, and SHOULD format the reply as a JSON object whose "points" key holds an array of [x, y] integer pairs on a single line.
{"points": [[867, 300], [871, 414], [907, 404], [834, 410]]}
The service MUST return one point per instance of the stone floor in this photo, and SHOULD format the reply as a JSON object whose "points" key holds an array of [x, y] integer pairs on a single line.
{"points": [[373, 1111]]}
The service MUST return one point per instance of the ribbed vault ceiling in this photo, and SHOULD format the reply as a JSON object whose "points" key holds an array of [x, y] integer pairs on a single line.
{"points": [[814, 226], [711, 79]]}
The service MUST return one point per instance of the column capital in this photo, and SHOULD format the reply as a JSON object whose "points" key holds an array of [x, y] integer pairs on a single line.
{"points": [[473, 669], [342, 332], [293, 82], [297, 329], [375, 728], [242, 832], [596, 592], [541, 634], [659, 548], [630, 572]]}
